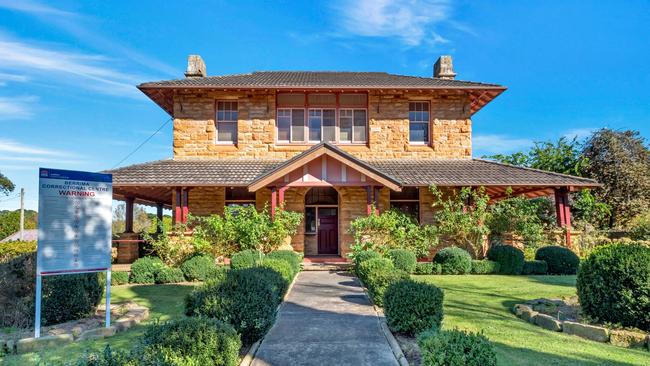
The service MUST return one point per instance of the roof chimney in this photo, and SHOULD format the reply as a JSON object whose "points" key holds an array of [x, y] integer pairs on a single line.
{"points": [[195, 67], [443, 68]]}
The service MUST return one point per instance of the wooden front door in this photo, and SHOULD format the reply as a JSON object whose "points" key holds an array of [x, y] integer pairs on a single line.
{"points": [[328, 230]]}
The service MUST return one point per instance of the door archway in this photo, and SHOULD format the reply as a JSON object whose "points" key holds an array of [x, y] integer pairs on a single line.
{"points": [[322, 218]]}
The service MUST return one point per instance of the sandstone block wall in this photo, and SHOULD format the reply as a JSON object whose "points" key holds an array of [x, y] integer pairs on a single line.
{"points": [[195, 132]]}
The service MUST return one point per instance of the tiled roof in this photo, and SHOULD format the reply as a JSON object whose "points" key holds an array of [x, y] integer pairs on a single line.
{"points": [[420, 172], [317, 79]]}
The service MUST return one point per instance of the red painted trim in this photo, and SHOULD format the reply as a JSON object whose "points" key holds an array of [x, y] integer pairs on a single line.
{"points": [[369, 200], [186, 208], [563, 212], [376, 199], [178, 214], [281, 196], [74, 271], [274, 194]]}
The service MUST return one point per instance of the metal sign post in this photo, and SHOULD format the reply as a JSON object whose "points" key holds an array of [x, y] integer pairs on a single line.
{"points": [[74, 229]]}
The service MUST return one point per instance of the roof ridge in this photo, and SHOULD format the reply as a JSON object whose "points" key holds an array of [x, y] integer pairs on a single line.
{"points": [[537, 170]]}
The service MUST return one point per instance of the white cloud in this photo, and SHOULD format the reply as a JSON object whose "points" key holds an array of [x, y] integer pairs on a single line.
{"points": [[11, 146], [52, 63], [499, 144], [580, 133], [410, 21], [32, 7], [16, 107]]}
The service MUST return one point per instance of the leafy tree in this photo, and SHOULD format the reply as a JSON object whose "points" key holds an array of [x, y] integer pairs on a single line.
{"points": [[564, 156], [460, 216], [519, 216], [10, 222], [620, 160], [142, 221], [6, 185]]}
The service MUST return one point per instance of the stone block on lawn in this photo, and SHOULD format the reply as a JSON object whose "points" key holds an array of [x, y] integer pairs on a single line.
{"points": [[124, 323], [36, 344], [548, 322], [519, 309], [98, 333], [592, 332], [627, 338], [529, 315]]}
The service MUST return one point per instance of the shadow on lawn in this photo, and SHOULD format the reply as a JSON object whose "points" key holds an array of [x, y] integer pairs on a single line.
{"points": [[508, 355], [555, 280]]}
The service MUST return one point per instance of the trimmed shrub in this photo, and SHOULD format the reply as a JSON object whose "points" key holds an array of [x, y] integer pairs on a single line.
{"points": [[144, 270], [119, 277], [455, 348], [245, 298], [169, 275], [190, 341], [246, 259], [71, 297], [282, 268], [485, 266], [535, 268], [15, 248], [403, 259], [424, 268], [294, 259], [371, 264], [560, 260], [511, 259], [412, 307], [362, 257], [199, 268], [454, 260], [614, 285], [108, 357]]}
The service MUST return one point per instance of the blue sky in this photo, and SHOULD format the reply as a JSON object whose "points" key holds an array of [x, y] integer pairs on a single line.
{"points": [[68, 69]]}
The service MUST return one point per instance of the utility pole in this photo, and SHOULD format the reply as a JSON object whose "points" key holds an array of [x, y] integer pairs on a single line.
{"points": [[22, 214]]}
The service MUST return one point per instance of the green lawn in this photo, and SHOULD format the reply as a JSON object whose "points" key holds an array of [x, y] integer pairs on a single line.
{"points": [[164, 302], [484, 302]]}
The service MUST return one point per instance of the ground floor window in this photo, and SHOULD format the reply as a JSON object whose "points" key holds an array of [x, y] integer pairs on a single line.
{"points": [[239, 196], [407, 201]]}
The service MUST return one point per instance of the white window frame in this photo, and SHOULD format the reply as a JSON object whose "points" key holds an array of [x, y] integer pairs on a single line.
{"points": [[217, 122], [322, 126], [427, 123], [305, 126], [352, 141]]}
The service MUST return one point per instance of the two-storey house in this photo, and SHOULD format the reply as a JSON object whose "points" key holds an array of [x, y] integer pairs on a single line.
{"points": [[331, 145]]}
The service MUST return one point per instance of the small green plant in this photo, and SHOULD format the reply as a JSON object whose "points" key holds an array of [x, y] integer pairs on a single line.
{"points": [[485, 267], [144, 270], [412, 307], [535, 267], [169, 275], [246, 259], [172, 248], [199, 268], [560, 260], [363, 256], [119, 277], [108, 357], [614, 285], [403, 259], [453, 260], [455, 348], [510, 259]]}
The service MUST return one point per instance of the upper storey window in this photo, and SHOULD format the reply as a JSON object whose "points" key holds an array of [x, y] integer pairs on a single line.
{"points": [[419, 122], [327, 117], [227, 122]]}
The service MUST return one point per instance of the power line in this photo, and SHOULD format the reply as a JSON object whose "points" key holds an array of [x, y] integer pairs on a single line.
{"points": [[10, 198], [143, 142]]}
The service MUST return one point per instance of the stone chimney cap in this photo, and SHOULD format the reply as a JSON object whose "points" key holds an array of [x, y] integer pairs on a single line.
{"points": [[195, 67], [444, 68]]}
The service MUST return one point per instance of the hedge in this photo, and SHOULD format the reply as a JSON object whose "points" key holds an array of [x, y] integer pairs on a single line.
{"points": [[199, 268], [15, 248], [454, 260], [282, 268], [144, 270], [403, 259], [377, 274], [535, 267], [169, 275], [426, 268], [412, 307], [455, 348], [485, 266], [119, 277], [614, 285], [511, 259], [560, 260], [362, 257], [71, 297], [294, 259], [246, 259]]}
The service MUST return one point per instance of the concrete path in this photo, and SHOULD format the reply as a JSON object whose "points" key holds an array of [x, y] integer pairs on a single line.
{"points": [[326, 320]]}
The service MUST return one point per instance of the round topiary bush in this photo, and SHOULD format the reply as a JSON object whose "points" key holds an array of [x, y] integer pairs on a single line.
{"points": [[455, 347], [199, 268], [144, 270], [535, 268], [560, 260], [362, 257], [195, 341], [71, 297], [511, 259], [453, 260], [403, 259], [485, 266], [294, 259], [245, 298], [614, 285], [169, 275], [412, 307], [246, 259], [369, 265]]}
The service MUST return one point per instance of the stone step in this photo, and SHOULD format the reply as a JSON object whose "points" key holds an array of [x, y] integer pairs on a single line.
{"points": [[326, 266]]}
